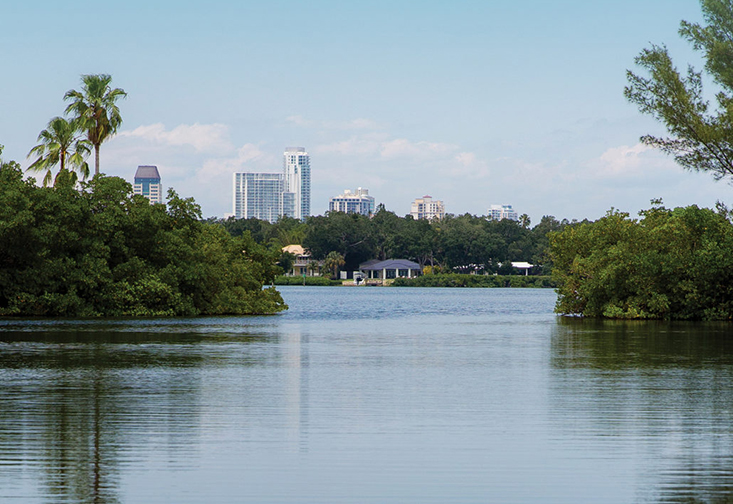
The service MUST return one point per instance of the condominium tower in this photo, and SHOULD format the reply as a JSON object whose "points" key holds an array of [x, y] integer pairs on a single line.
{"points": [[147, 183], [427, 208], [269, 196], [258, 195], [499, 212], [297, 178], [352, 202]]}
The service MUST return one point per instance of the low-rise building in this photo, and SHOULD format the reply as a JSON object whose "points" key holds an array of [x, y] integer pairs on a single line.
{"points": [[358, 201], [304, 265], [427, 208]]}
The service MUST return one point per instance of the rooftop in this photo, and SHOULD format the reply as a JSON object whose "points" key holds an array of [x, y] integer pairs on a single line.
{"points": [[147, 171]]}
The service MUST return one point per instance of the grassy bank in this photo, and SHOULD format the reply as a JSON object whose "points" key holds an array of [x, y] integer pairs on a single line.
{"points": [[457, 280], [298, 280]]}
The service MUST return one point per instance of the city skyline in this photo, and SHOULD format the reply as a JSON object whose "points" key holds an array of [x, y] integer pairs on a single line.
{"points": [[481, 101]]}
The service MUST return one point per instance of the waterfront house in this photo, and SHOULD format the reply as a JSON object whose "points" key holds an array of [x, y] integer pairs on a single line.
{"points": [[389, 269]]}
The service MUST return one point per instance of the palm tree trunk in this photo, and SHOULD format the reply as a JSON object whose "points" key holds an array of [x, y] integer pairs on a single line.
{"points": [[96, 159]]}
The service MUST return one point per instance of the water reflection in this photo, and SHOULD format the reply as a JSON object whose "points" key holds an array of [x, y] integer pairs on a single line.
{"points": [[659, 392], [78, 406]]}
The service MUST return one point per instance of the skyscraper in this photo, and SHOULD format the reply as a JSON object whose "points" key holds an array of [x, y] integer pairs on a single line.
{"points": [[297, 178], [147, 183], [258, 195], [353, 202]]}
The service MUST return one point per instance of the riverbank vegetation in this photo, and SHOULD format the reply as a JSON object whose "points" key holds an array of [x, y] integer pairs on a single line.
{"points": [[669, 264], [459, 280], [94, 249]]}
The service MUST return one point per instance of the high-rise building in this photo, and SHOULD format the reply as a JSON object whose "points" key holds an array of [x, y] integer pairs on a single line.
{"points": [[353, 202], [147, 183], [297, 178], [258, 195], [499, 212], [427, 208]]}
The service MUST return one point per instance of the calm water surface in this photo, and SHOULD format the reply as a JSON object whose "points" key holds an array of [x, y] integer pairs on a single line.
{"points": [[368, 395]]}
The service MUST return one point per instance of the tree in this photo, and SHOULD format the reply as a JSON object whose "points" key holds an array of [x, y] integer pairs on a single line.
{"points": [[96, 109], [333, 261], [701, 139], [60, 145]]}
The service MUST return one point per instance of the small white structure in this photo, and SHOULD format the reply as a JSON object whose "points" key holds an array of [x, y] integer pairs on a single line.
{"points": [[390, 269], [521, 265]]}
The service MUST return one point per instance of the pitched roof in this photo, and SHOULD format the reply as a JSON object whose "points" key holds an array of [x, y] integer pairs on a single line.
{"points": [[389, 264], [147, 171], [295, 249]]}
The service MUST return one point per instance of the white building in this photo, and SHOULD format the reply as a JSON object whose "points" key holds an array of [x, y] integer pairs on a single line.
{"points": [[353, 202], [499, 212], [269, 196], [147, 183], [427, 208], [297, 178], [258, 195]]}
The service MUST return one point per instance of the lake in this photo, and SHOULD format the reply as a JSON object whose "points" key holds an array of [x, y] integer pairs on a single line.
{"points": [[368, 395]]}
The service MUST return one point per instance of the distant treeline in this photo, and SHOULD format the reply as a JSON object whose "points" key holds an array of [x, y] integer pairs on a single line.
{"points": [[458, 280], [96, 249], [456, 244]]}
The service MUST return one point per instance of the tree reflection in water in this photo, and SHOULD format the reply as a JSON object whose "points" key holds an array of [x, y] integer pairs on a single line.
{"points": [[664, 389]]}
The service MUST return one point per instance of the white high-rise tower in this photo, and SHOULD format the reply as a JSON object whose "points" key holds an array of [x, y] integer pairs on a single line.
{"points": [[297, 178]]}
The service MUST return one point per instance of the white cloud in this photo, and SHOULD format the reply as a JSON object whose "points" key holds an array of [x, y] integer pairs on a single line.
{"points": [[202, 137]]}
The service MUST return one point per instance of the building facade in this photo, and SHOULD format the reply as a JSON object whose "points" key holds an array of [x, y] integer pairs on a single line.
{"points": [[358, 201], [269, 196], [258, 195], [427, 208], [297, 180], [499, 212], [147, 183]]}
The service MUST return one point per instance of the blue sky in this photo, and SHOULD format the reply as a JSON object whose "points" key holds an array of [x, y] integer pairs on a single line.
{"points": [[473, 102]]}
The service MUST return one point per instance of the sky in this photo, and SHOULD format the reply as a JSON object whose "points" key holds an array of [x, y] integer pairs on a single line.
{"points": [[472, 102]]}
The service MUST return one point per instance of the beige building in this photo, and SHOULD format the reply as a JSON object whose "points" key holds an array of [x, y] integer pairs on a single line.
{"points": [[302, 265], [427, 208]]}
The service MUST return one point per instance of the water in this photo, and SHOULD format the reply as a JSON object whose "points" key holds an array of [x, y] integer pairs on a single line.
{"points": [[368, 395]]}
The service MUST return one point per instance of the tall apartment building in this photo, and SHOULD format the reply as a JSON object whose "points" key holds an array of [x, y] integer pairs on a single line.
{"points": [[358, 201], [258, 195], [297, 178], [147, 183], [268, 196], [499, 212], [427, 208]]}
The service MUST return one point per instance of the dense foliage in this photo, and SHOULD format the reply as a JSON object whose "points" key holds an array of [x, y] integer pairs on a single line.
{"points": [[701, 135], [457, 244], [101, 251], [669, 264]]}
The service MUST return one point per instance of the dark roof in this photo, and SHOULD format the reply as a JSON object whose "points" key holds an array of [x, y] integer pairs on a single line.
{"points": [[145, 171], [389, 264]]}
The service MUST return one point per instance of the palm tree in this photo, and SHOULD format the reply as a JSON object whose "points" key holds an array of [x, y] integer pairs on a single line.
{"points": [[60, 144], [332, 262], [96, 109]]}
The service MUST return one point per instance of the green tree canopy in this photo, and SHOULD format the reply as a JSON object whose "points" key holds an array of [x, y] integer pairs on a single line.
{"points": [[102, 251], [670, 264], [701, 135]]}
